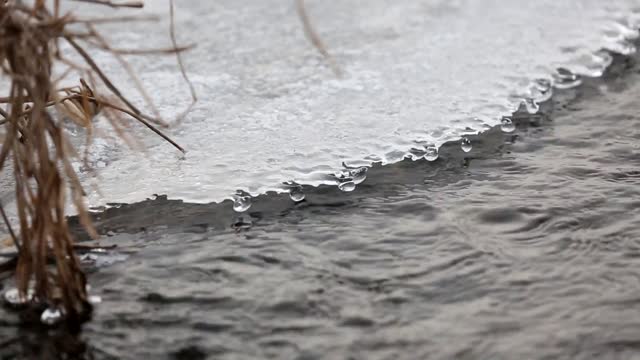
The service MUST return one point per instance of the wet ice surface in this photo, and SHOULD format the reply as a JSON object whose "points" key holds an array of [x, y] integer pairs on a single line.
{"points": [[271, 111], [527, 247]]}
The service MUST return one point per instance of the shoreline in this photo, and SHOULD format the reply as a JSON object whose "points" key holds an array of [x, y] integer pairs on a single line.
{"points": [[162, 211]]}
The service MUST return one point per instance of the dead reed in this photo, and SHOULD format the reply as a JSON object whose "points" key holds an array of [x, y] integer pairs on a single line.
{"points": [[36, 144], [314, 38]]}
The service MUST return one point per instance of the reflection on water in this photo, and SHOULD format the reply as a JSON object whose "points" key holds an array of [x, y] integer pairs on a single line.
{"points": [[29, 343]]}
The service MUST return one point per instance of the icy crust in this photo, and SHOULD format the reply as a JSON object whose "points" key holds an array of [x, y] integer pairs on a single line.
{"points": [[416, 74]]}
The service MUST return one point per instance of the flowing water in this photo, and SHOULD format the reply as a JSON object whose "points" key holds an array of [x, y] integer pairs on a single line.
{"points": [[522, 242]]}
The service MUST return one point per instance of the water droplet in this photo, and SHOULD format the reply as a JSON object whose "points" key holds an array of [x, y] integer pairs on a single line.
{"points": [[431, 153], [347, 186], [12, 297], [507, 125], [465, 144], [594, 64], [51, 316], [94, 299], [355, 174], [295, 193], [543, 85], [603, 58], [97, 209], [541, 90], [566, 79], [531, 106], [88, 258], [358, 175], [241, 201], [348, 178]]}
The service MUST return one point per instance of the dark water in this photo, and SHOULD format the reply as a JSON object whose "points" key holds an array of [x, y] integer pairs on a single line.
{"points": [[528, 247]]}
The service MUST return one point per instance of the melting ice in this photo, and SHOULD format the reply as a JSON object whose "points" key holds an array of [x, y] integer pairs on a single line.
{"points": [[272, 111]]}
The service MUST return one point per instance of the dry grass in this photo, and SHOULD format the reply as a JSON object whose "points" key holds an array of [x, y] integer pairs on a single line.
{"points": [[314, 38], [36, 144]]}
